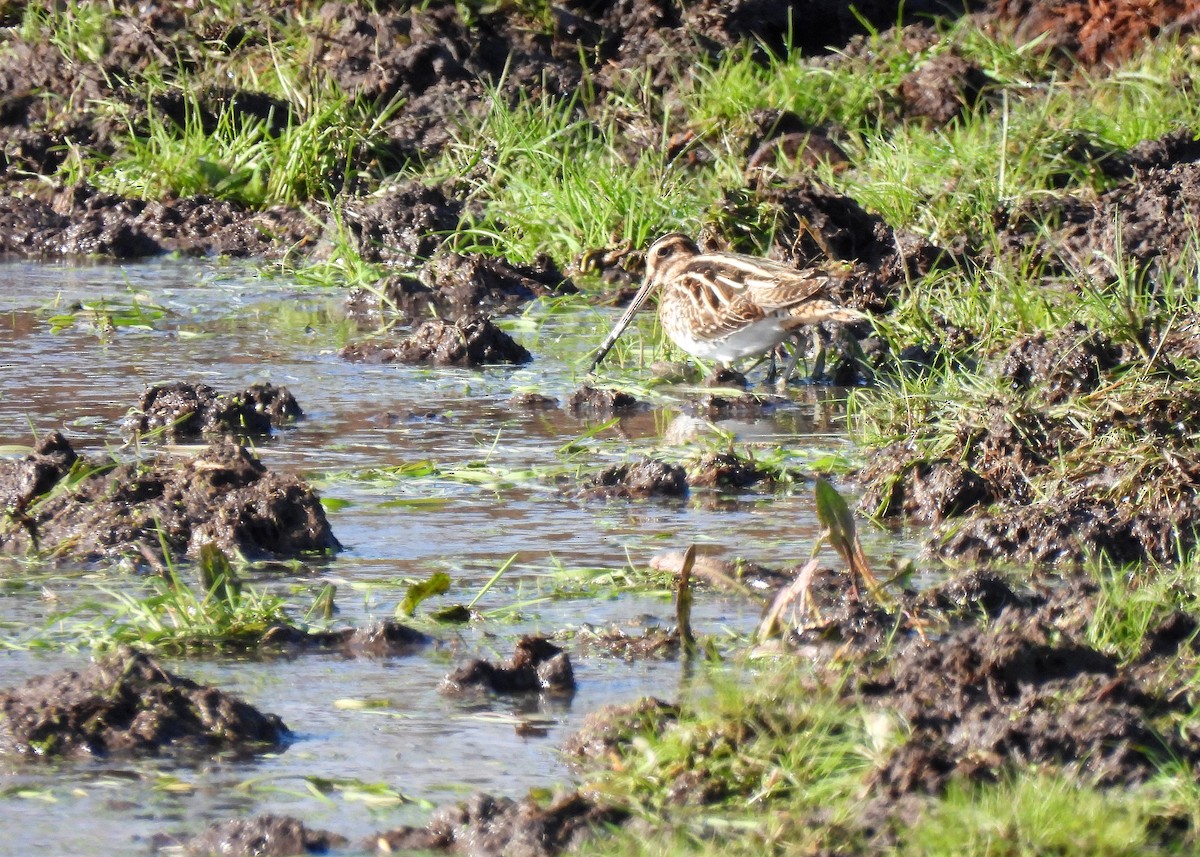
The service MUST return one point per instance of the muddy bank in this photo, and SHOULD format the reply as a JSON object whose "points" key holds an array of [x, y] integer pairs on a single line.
{"points": [[261, 836], [93, 510], [417, 68], [127, 704], [988, 680], [1028, 473]]}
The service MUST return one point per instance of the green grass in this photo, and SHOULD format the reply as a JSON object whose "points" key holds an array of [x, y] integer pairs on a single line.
{"points": [[237, 157]]}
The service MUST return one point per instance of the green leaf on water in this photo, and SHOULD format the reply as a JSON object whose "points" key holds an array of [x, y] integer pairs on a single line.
{"points": [[837, 519], [437, 584]]}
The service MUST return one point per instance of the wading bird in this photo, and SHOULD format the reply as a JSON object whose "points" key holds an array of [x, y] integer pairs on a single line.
{"points": [[725, 306]]}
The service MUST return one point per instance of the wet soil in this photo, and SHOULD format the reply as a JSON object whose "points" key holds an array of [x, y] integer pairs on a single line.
{"points": [[989, 679], [128, 704], [381, 639], [472, 342], [1025, 477], [182, 411], [486, 825], [537, 666], [64, 506], [431, 63], [637, 480], [458, 287], [262, 836], [593, 400]]}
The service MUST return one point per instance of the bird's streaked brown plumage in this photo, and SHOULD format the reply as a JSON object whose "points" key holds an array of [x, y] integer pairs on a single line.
{"points": [[724, 306]]}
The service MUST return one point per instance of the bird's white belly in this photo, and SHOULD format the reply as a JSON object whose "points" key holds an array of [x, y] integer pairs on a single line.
{"points": [[754, 339]]}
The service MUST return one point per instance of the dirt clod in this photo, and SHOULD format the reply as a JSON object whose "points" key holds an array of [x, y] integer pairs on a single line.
{"points": [[641, 479], [262, 836], [1018, 692], [596, 400], [128, 704], [181, 410], [472, 342], [484, 826], [537, 665], [133, 510]]}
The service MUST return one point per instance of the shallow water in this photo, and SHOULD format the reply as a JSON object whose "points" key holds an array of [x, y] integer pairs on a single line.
{"points": [[227, 328]]}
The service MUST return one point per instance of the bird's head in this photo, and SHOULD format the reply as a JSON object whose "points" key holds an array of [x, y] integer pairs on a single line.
{"points": [[673, 245]]}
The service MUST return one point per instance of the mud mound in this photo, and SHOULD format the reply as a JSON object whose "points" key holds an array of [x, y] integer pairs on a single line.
{"points": [[381, 639], [537, 665], [645, 478], [1019, 693], [262, 836], [112, 510], [128, 704], [942, 88], [1097, 32], [181, 410], [471, 342], [588, 400], [604, 732], [485, 826], [725, 470], [403, 226], [1023, 477], [457, 287], [1153, 227], [1072, 362], [723, 406], [84, 222]]}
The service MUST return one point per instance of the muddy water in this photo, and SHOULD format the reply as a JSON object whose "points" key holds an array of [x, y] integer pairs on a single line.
{"points": [[227, 328]]}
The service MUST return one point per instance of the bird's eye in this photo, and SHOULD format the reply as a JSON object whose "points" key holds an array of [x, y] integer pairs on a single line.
{"points": [[662, 252]]}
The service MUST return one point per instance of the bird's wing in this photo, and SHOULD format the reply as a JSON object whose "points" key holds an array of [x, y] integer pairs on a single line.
{"points": [[772, 286]]}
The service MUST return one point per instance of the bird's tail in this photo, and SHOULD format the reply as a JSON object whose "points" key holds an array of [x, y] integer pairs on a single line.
{"points": [[817, 311]]}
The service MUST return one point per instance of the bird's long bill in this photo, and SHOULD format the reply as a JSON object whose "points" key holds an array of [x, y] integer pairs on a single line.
{"points": [[622, 323]]}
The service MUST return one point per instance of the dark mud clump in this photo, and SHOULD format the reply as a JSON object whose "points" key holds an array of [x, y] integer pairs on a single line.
{"points": [[404, 226], [604, 732], [1094, 234], [589, 399], [1019, 692], [641, 479], [186, 411], [457, 286], [726, 471], [1075, 361], [82, 222], [262, 836], [722, 406], [133, 510], [378, 640], [533, 402], [942, 88], [473, 342], [485, 826], [128, 704], [537, 666]]}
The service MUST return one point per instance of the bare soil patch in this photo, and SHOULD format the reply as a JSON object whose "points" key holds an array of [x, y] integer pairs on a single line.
{"points": [[128, 704], [65, 506]]}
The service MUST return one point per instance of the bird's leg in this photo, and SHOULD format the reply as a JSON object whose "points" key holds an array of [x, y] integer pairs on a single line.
{"points": [[819, 359], [794, 359]]}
